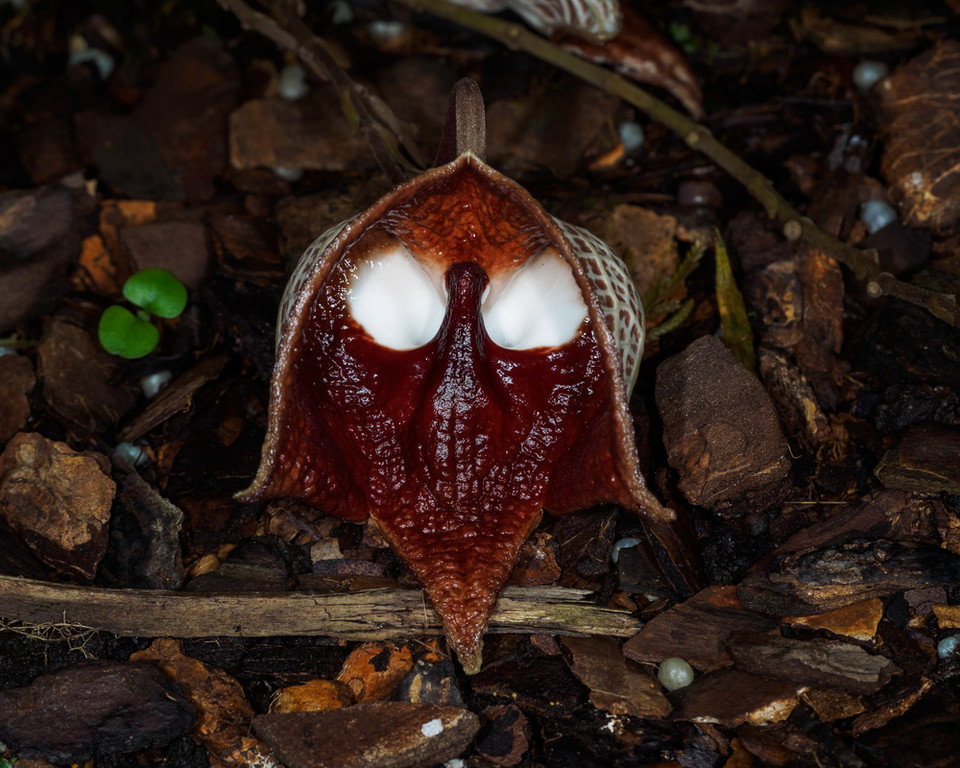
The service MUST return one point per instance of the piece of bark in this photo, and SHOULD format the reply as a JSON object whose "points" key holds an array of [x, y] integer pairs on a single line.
{"points": [[920, 158], [803, 418], [368, 615], [552, 128], [312, 696], [175, 398], [696, 630], [647, 242], [857, 621], [383, 734], [93, 707], [898, 703], [173, 146], [17, 381], [924, 460], [310, 133], [585, 541], [180, 247], [730, 697], [504, 737], [537, 563], [76, 375], [374, 670], [431, 682], [816, 662], [40, 235], [223, 713], [157, 523], [721, 430], [833, 705], [948, 616], [615, 686], [58, 501], [826, 578]]}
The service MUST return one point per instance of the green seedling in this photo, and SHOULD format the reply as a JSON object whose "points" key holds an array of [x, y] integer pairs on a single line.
{"points": [[133, 334]]}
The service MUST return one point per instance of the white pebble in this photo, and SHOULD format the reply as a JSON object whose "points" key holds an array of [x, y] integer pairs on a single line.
{"points": [[948, 646], [288, 174], [152, 384], [675, 673], [631, 134], [292, 82], [7, 351], [340, 11], [386, 32], [876, 214], [432, 727], [132, 454], [81, 53], [868, 73], [624, 543]]}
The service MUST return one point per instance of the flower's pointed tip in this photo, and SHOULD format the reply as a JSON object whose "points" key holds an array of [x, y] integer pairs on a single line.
{"points": [[471, 658]]}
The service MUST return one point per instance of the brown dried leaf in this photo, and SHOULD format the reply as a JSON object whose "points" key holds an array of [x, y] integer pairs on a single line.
{"points": [[641, 53]]}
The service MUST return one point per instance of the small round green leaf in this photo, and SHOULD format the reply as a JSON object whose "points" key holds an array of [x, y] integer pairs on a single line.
{"points": [[157, 291], [123, 333]]}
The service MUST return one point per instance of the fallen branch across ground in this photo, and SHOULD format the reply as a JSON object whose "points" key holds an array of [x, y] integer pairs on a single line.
{"points": [[862, 263], [374, 614]]}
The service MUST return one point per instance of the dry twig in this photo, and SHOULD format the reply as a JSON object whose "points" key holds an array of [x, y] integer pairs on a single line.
{"points": [[863, 264], [375, 614]]}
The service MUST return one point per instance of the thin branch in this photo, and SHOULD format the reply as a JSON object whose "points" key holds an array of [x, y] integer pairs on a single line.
{"points": [[795, 226], [361, 615], [375, 121]]}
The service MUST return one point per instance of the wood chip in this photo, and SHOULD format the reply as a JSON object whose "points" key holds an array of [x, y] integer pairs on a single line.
{"points": [[857, 621], [94, 708], [58, 501], [731, 697], [697, 630], [721, 430], [615, 686], [821, 663], [383, 734]]}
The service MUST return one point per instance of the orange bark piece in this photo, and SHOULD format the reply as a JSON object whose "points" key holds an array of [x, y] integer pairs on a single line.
{"points": [[98, 272], [858, 621], [312, 696], [948, 616], [374, 670], [223, 713]]}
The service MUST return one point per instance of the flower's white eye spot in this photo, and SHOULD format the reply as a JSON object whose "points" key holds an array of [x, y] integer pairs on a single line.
{"points": [[540, 305], [394, 300]]}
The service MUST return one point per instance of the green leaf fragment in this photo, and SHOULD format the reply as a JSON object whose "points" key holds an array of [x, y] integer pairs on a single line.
{"points": [[123, 333], [734, 324], [157, 291]]}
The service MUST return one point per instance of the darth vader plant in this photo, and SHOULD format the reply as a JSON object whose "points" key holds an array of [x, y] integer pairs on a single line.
{"points": [[450, 363]]}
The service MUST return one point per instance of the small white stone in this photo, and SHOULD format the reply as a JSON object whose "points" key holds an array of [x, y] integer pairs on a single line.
{"points": [[876, 214], [432, 727], [675, 673], [134, 455], [288, 174], [152, 384], [624, 543], [292, 82], [948, 646], [868, 73], [631, 135]]}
